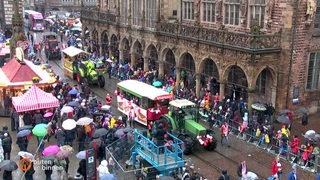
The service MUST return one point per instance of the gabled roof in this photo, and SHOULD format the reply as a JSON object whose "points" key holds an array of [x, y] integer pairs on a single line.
{"points": [[17, 72]]}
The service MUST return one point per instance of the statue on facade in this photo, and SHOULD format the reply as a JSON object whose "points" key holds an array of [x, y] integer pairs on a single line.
{"points": [[311, 10], [243, 8], [219, 9]]}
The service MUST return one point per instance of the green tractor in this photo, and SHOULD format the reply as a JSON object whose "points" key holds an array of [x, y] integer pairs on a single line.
{"points": [[87, 73], [183, 121]]}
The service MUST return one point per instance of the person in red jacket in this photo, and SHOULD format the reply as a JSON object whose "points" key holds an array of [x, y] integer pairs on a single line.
{"points": [[109, 101], [295, 147], [225, 133], [276, 169]]}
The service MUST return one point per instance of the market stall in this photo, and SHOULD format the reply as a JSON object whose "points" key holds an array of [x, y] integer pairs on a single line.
{"points": [[34, 99], [70, 55]]}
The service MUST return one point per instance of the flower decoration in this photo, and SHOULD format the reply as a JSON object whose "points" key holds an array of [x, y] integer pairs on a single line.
{"points": [[205, 140], [35, 79]]}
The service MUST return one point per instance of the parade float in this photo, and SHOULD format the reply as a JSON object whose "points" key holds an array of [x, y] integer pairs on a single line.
{"points": [[18, 75]]}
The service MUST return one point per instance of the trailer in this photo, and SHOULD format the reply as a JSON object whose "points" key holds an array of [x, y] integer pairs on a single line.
{"points": [[157, 160]]}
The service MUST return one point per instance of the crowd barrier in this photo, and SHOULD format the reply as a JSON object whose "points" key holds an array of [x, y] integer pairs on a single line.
{"points": [[249, 135]]}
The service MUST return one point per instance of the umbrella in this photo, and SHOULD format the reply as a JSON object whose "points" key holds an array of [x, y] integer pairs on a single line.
{"points": [[23, 133], [119, 133], [127, 129], [105, 107], [157, 83], [39, 130], [109, 60], [48, 114], [100, 132], [108, 177], [62, 154], [283, 119], [73, 91], [84, 120], [97, 141], [8, 165], [53, 149], [67, 148], [81, 155], [310, 134], [284, 111], [166, 178], [69, 124], [50, 157], [251, 176], [42, 125], [25, 154], [73, 103], [303, 110], [66, 109], [258, 107]]}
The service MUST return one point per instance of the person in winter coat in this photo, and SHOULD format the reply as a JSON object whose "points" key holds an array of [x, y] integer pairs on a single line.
{"points": [[7, 175], [304, 121], [70, 135], [82, 169], [27, 119], [58, 172], [81, 137], [103, 168], [242, 170], [22, 142], [295, 147], [225, 133], [293, 175], [6, 144], [60, 137], [276, 168], [38, 117], [29, 174], [224, 175]]}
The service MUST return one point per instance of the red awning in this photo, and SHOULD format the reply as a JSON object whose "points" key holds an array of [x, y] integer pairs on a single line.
{"points": [[34, 99]]}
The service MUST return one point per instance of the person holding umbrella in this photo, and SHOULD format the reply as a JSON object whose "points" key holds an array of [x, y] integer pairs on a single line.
{"points": [[6, 144], [304, 121]]}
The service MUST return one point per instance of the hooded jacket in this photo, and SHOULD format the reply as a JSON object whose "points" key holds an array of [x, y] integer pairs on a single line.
{"points": [[295, 145]]}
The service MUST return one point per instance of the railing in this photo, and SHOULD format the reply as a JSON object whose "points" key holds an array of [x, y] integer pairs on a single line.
{"points": [[160, 157], [254, 42]]}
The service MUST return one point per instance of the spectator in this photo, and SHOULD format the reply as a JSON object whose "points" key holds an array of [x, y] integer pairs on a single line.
{"points": [[224, 175], [276, 168], [225, 133], [293, 175], [304, 121], [103, 168], [6, 144], [242, 170], [295, 148]]}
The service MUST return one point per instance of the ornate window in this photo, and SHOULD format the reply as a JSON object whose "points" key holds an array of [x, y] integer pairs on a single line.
{"points": [[188, 9], [313, 81], [317, 20], [137, 12], [112, 6], [124, 11], [257, 12], [209, 10], [232, 12], [261, 82], [151, 13]]}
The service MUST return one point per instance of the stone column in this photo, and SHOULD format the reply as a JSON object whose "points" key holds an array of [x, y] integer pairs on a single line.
{"points": [[129, 12], [222, 89], [251, 91], [198, 88], [143, 23], [158, 10], [110, 50], [145, 63], [178, 76], [121, 55], [132, 59], [161, 70]]}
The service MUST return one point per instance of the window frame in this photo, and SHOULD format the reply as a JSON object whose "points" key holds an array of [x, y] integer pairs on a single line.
{"points": [[204, 11], [313, 77], [262, 13], [187, 13], [150, 21], [235, 4]]}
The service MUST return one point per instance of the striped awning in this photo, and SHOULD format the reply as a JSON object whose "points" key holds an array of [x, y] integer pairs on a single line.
{"points": [[34, 99]]}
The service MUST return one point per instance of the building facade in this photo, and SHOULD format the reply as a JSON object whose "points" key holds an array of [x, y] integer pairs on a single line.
{"points": [[6, 12], [62, 5], [265, 51]]}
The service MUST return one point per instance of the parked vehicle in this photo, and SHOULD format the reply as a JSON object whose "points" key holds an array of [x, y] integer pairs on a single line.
{"points": [[51, 46]]}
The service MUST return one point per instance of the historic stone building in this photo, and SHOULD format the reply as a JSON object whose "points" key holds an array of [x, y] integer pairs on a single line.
{"points": [[266, 50]]}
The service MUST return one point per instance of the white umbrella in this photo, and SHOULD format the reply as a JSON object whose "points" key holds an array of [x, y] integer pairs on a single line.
{"points": [[83, 121], [66, 109], [105, 107], [25, 154], [109, 60], [69, 124], [251, 176]]}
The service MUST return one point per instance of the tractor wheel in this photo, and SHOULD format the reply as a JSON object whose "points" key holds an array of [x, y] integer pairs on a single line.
{"points": [[79, 78], [188, 143], [101, 81]]}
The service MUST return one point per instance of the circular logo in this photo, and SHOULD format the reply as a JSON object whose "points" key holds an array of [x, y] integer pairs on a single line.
{"points": [[25, 164]]}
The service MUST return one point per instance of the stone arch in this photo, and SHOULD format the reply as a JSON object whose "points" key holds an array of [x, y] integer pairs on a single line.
{"points": [[137, 50], [104, 42], [208, 71], [152, 54], [169, 62], [236, 82], [187, 69], [114, 45], [95, 37], [125, 44], [265, 85]]}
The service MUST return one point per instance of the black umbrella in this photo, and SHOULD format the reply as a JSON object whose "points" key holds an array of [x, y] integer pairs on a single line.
{"points": [[100, 132], [303, 110], [25, 127], [283, 119], [98, 143], [8, 165], [166, 178], [73, 103]]}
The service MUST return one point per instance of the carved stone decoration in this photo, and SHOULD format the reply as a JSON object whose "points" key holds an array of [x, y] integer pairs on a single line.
{"points": [[270, 5], [311, 10], [158, 46], [243, 8], [197, 9]]}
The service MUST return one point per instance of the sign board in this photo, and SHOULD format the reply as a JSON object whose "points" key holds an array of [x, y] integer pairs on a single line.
{"points": [[91, 165], [20, 54], [27, 85]]}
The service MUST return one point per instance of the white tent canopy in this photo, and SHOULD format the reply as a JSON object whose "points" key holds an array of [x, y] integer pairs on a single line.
{"points": [[72, 51]]}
